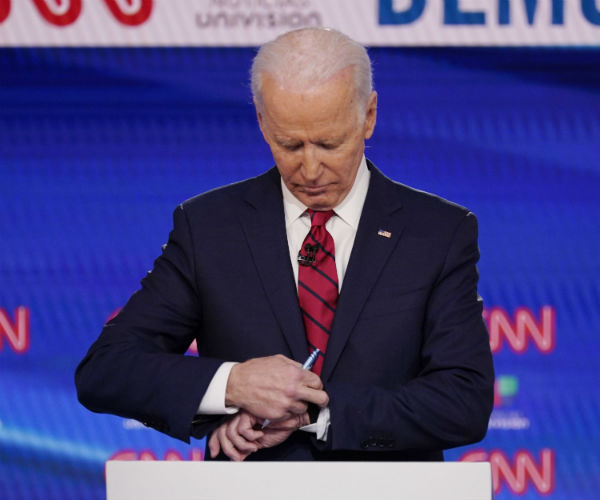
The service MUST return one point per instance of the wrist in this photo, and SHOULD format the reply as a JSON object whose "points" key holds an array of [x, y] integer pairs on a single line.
{"points": [[231, 398]]}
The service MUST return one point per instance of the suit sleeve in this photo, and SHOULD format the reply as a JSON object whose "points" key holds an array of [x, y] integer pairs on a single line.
{"points": [[449, 402], [136, 369]]}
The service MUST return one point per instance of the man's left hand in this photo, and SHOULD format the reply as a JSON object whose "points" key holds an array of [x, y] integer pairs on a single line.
{"points": [[242, 434]]}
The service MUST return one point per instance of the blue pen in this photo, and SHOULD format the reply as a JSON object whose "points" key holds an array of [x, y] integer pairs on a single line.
{"points": [[308, 364], [310, 361]]}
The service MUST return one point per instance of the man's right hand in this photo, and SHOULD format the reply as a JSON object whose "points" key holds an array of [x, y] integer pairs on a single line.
{"points": [[274, 388]]}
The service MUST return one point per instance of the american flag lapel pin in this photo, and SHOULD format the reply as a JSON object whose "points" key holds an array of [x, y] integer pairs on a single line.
{"points": [[384, 233]]}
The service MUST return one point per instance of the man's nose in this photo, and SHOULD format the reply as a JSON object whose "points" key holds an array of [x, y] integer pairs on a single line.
{"points": [[311, 164]]}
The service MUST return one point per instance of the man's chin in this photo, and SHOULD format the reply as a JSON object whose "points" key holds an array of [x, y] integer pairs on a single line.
{"points": [[320, 203], [319, 200]]}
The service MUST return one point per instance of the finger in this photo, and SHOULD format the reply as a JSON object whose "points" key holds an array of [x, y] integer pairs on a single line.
{"points": [[311, 380], [296, 408], [241, 444], [292, 423], [213, 445], [231, 451], [289, 424], [303, 420], [318, 397], [227, 446], [246, 427]]}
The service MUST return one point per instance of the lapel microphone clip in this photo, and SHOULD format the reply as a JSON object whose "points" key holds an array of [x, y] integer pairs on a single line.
{"points": [[309, 258]]}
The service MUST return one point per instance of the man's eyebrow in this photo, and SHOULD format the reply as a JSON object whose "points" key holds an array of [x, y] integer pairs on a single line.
{"points": [[287, 140], [290, 141], [330, 141]]}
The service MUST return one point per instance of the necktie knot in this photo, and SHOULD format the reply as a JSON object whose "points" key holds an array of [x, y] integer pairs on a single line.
{"points": [[319, 218]]}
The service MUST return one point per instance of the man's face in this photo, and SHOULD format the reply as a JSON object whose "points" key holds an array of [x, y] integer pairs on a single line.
{"points": [[317, 137]]}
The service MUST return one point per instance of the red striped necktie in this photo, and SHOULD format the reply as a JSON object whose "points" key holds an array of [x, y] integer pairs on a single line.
{"points": [[318, 284]]}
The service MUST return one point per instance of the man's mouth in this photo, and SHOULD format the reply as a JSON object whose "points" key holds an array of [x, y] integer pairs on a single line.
{"points": [[313, 190]]}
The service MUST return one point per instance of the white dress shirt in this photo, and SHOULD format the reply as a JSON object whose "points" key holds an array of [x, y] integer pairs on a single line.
{"points": [[342, 227]]}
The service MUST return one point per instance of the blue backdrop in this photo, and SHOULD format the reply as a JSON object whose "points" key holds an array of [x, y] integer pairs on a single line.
{"points": [[97, 146]]}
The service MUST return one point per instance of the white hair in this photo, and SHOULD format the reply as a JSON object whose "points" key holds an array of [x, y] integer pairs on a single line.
{"points": [[306, 58]]}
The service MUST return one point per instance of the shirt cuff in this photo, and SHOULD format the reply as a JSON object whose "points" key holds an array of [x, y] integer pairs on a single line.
{"points": [[321, 426], [213, 401]]}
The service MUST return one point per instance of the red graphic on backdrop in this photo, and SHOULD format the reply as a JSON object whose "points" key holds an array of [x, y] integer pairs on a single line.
{"points": [[66, 12], [113, 314], [524, 325], [15, 332], [195, 454], [59, 12], [4, 9], [130, 12], [193, 348], [519, 474]]}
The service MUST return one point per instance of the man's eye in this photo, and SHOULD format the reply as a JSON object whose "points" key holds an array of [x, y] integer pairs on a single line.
{"points": [[292, 147], [328, 145]]}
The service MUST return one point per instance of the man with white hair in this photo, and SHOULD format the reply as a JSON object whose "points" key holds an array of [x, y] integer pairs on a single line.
{"points": [[321, 252]]}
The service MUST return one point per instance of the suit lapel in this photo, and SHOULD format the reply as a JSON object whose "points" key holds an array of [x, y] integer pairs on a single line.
{"points": [[263, 222], [367, 260]]}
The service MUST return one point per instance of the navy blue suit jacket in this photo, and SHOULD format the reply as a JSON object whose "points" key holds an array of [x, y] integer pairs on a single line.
{"points": [[408, 366]]}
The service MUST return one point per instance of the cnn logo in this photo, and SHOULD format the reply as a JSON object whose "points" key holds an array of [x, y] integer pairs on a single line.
{"points": [[520, 472], [195, 454], [16, 332], [521, 329]]}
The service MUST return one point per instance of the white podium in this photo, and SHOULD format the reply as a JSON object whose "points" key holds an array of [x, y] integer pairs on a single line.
{"points": [[179, 480]]}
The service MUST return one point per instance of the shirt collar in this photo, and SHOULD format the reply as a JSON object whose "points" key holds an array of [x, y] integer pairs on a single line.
{"points": [[348, 210]]}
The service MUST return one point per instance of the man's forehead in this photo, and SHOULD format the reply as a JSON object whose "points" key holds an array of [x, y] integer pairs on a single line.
{"points": [[289, 83], [278, 98]]}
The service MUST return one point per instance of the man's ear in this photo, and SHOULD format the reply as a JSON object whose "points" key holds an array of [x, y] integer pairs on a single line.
{"points": [[259, 117], [371, 115]]}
